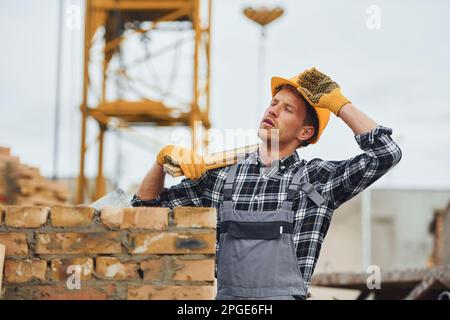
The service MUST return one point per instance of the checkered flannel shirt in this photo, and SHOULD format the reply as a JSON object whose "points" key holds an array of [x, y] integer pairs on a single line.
{"points": [[336, 181]]}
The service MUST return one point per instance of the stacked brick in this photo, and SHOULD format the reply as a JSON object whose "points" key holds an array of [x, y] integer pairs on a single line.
{"points": [[117, 253], [23, 185]]}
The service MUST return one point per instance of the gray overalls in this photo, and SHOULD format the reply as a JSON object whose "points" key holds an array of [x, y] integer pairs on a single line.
{"points": [[256, 257]]}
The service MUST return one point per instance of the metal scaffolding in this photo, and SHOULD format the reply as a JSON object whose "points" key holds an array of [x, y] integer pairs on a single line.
{"points": [[108, 25]]}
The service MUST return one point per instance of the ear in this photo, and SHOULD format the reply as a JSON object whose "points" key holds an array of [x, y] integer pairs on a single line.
{"points": [[305, 133]]}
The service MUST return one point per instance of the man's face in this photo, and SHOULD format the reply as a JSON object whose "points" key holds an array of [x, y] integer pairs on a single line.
{"points": [[284, 118]]}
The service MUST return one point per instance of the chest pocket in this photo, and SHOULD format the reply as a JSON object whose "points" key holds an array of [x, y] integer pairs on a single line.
{"points": [[256, 230]]}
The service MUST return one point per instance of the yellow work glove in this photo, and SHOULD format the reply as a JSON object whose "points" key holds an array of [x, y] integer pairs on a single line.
{"points": [[321, 91], [192, 164]]}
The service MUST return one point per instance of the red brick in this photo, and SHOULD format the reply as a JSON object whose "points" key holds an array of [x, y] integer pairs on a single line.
{"points": [[152, 292], [136, 218], [111, 216], [5, 151], [10, 160], [23, 271], [15, 243], [62, 216], [173, 242], [26, 217], [59, 268], [78, 243], [24, 171], [155, 269], [61, 292], [112, 268], [193, 270], [195, 217], [182, 269], [27, 186], [145, 218]]}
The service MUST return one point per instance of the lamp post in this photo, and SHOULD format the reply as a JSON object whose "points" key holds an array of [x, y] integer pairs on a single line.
{"points": [[262, 16]]}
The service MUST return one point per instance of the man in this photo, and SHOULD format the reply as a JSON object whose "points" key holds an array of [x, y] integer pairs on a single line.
{"points": [[274, 209]]}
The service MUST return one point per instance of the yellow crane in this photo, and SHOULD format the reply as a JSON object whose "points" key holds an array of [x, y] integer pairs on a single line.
{"points": [[109, 24]]}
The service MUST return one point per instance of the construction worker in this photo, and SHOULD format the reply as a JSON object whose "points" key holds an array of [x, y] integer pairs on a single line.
{"points": [[274, 208]]}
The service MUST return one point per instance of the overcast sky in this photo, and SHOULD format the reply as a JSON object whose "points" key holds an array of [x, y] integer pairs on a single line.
{"points": [[399, 74]]}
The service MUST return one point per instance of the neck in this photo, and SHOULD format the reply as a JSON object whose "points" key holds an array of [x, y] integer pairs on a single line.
{"points": [[269, 153]]}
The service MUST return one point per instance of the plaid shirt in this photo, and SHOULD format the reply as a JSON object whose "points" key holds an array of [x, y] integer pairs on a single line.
{"points": [[336, 181]]}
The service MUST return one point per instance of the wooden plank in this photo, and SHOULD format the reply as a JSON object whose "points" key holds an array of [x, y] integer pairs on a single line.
{"points": [[214, 160]]}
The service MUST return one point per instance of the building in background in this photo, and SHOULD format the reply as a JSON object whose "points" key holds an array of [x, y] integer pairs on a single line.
{"points": [[409, 245]]}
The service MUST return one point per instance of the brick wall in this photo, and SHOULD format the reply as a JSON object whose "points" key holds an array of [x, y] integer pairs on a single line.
{"points": [[132, 253]]}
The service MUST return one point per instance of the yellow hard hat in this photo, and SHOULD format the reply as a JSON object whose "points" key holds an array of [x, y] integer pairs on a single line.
{"points": [[323, 115]]}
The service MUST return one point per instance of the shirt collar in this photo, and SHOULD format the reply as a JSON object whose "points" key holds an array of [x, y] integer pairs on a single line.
{"points": [[284, 163]]}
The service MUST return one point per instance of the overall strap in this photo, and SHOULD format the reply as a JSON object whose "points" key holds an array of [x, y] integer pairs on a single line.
{"points": [[231, 176], [296, 185], [228, 187], [229, 182]]}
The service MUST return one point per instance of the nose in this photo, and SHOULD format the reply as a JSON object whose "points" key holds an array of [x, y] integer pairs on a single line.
{"points": [[273, 111]]}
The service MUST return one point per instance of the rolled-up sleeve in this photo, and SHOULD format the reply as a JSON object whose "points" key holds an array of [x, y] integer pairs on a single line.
{"points": [[345, 179], [187, 193]]}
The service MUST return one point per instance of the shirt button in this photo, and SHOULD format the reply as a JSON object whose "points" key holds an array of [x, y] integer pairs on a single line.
{"points": [[256, 197], [234, 198], [283, 167]]}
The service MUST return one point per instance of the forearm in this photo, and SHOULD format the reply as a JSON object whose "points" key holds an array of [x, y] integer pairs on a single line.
{"points": [[356, 119], [153, 183]]}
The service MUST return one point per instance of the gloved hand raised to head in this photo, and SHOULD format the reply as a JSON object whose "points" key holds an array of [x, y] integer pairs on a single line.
{"points": [[321, 91], [192, 164]]}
